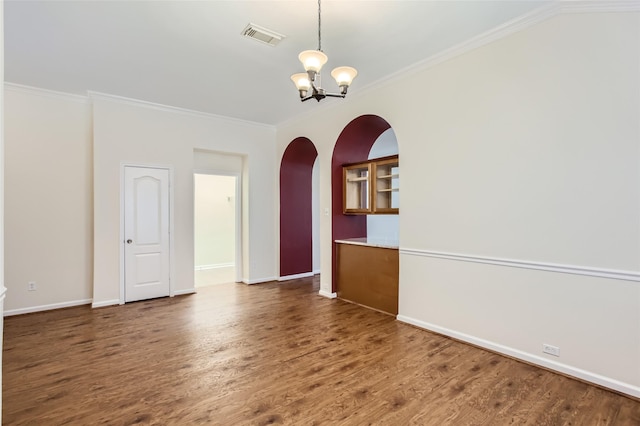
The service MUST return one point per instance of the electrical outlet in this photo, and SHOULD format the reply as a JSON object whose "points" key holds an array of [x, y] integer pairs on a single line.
{"points": [[31, 286], [550, 349]]}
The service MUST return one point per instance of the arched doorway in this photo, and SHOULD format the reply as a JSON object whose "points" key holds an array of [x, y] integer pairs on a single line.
{"points": [[296, 222], [353, 145]]}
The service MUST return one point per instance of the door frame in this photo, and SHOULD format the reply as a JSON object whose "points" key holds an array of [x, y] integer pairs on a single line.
{"points": [[238, 230], [171, 227]]}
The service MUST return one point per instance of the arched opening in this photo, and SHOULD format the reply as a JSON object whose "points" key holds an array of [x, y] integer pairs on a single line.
{"points": [[296, 214], [353, 145]]}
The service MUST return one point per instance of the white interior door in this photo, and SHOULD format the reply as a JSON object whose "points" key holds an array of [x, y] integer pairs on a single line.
{"points": [[146, 233]]}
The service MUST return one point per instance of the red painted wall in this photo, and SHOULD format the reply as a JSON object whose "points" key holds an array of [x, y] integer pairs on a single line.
{"points": [[296, 240], [353, 145]]}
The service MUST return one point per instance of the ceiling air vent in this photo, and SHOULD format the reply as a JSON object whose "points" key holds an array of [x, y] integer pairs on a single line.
{"points": [[262, 35]]}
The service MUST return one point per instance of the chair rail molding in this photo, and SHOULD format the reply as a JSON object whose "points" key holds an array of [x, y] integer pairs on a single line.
{"points": [[527, 264]]}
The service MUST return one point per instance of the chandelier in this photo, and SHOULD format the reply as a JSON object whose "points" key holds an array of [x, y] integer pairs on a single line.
{"points": [[313, 60]]}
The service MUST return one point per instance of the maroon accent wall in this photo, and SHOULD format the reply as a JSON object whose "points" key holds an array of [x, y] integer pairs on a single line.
{"points": [[353, 145], [296, 240]]}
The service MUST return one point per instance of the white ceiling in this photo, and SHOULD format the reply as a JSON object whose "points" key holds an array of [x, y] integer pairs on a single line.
{"points": [[191, 54]]}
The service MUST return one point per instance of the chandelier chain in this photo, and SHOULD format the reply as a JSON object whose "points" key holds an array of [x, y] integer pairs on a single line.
{"points": [[319, 28]]}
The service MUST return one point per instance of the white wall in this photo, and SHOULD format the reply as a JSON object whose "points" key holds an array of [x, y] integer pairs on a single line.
{"points": [[214, 220], [126, 131], [315, 217], [217, 162], [520, 192], [48, 206], [50, 194], [529, 155], [384, 226], [3, 289]]}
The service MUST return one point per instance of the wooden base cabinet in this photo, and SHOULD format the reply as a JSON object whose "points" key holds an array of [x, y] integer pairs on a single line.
{"points": [[368, 276]]}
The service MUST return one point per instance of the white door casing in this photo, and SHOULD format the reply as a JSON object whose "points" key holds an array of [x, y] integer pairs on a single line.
{"points": [[146, 233]]}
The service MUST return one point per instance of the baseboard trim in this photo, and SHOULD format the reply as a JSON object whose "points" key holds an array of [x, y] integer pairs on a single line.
{"points": [[527, 264], [327, 294], [568, 370], [259, 280], [316, 272], [184, 291], [214, 266], [296, 276], [104, 303], [49, 307]]}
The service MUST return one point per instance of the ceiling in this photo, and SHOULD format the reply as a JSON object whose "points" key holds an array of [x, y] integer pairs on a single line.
{"points": [[191, 54]]}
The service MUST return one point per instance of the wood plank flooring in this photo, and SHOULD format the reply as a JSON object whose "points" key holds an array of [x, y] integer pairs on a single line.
{"points": [[274, 353]]}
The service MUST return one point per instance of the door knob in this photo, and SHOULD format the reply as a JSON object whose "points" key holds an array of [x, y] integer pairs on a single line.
{"points": [[129, 241]]}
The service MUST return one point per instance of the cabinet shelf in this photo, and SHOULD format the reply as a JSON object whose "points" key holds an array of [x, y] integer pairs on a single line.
{"points": [[388, 190], [360, 179]]}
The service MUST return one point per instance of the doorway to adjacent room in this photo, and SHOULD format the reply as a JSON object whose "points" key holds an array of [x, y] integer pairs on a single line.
{"points": [[216, 228]]}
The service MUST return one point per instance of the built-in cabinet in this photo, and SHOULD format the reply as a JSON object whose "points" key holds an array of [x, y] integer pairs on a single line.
{"points": [[371, 187], [367, 271]]}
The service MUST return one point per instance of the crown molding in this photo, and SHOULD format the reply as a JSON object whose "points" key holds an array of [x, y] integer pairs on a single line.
{"points": [[513, 26], [91, 96], [172, 109], [569, 6], [21, 88]]}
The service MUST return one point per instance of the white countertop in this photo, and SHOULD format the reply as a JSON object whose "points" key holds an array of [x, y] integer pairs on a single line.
{"points": [[370, 242]]}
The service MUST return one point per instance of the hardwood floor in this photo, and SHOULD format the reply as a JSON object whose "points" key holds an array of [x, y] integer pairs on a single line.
{"points": [[274, 353]]}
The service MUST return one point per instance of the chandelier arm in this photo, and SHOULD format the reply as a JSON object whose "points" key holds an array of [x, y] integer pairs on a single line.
{"points": [[316, 96]]}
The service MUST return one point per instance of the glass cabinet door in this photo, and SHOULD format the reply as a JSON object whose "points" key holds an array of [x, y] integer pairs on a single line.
{"points": [[386, 183], [357, 191]]}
